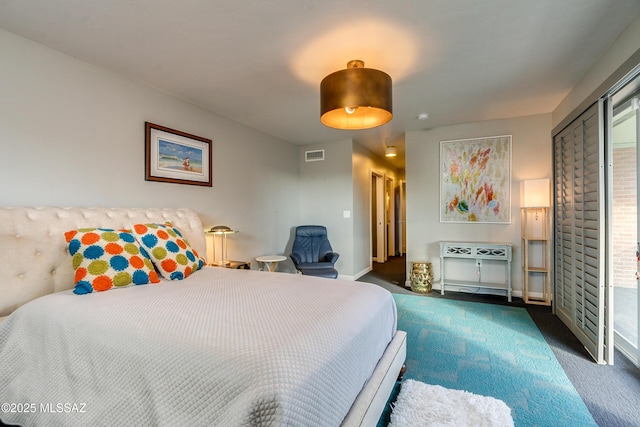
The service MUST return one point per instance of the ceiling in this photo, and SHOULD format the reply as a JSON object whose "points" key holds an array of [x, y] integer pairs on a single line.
{"points": [[260, 62]]}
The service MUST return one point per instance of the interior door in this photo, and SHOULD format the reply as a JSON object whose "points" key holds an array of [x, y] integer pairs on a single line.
{"points": [[390, 216], [374, 219], [378, 220], [401, 218]]}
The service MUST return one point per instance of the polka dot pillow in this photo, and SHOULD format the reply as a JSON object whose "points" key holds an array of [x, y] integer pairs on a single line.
{"points": [[105, 259], [172, 255]]}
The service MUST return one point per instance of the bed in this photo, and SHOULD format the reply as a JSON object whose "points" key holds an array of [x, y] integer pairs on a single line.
{"points": [[218, 347]]}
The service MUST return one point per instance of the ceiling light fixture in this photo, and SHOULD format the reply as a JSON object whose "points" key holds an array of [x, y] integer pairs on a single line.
{"points": [[390, 151], [423, 116], [356, 98]]}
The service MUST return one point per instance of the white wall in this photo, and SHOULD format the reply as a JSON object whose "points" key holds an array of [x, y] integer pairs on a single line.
{"points": [[325, 193], [623, 48], [531, 159], [73, 134], [342, 182]]}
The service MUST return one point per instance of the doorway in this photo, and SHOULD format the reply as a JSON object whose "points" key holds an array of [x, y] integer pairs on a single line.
{"points": [[624, 131], [401, 218], [387, 228], [378, 218], [384, 217], [390, 217]]}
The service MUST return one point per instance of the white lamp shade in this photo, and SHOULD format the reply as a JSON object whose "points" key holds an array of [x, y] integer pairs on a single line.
{"points": [[534, 193]]}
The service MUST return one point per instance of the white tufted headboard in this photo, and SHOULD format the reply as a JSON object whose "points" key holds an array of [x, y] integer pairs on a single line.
{"points": [[34, 260]]}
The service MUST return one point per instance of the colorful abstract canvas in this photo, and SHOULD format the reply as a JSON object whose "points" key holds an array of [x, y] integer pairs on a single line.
{"points": [[475, 181]]}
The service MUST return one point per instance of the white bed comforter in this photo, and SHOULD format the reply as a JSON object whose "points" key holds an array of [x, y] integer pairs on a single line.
{"points": [[221, 348]]}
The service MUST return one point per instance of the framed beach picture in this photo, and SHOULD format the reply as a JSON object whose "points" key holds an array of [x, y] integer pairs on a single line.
{"points": [[475, 180], [177, 157]]}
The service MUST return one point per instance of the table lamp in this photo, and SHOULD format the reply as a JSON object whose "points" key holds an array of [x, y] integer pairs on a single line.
{"points": [[222, 231]]}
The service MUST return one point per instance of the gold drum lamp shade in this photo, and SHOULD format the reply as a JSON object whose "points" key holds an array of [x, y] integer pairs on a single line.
{"points": [[356, 98]]}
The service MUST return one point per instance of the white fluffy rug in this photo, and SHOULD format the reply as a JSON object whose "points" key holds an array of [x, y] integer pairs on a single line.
{"points": [[420, 404]]}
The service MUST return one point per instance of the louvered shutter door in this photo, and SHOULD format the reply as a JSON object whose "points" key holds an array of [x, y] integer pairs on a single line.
{"points": [[563, 227], [579, 226]]}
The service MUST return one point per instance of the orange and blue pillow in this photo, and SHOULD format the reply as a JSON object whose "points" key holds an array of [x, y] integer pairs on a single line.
{"points": [[170, 252], [105, 258]]}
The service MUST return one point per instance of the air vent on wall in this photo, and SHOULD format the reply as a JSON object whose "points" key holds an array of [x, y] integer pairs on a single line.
{"points": [[314, 156]]}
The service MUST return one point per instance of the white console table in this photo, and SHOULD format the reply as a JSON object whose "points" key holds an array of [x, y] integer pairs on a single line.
{"points": [[476, 251]]}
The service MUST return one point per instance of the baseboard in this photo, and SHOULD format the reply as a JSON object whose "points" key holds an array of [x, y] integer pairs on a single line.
{"points": [[356, 276], [362, 273]]}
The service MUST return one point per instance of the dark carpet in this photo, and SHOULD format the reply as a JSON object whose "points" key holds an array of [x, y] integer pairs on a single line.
{"points": [[610, 392]]}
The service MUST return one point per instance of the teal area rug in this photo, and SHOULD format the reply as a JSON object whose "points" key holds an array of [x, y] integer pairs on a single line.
{"points": [[490, 350]]}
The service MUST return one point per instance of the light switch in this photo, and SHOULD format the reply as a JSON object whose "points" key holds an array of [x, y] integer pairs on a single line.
{"points": [[346, 214]]}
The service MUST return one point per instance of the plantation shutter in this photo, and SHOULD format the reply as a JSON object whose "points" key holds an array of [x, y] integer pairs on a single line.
{"points": [[579, 230]]}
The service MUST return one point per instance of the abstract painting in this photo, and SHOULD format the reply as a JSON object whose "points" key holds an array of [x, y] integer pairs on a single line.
{"points": [[475, 183]]}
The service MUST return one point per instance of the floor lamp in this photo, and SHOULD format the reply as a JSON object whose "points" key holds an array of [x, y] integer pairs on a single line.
{"points": [[536, 240]]}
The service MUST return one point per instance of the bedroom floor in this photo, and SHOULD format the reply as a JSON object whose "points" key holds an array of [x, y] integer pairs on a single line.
{"points": [[611, 393]]}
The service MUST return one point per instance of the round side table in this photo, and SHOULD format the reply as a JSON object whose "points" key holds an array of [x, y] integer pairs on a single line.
{"points": [[271, 261]]}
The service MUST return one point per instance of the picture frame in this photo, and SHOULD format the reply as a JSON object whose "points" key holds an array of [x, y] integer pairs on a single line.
{"points": [[475, 180], [177, 157]]}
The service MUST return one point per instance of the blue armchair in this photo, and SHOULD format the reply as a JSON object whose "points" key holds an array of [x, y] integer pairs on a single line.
{"points": [[312, 253]]}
